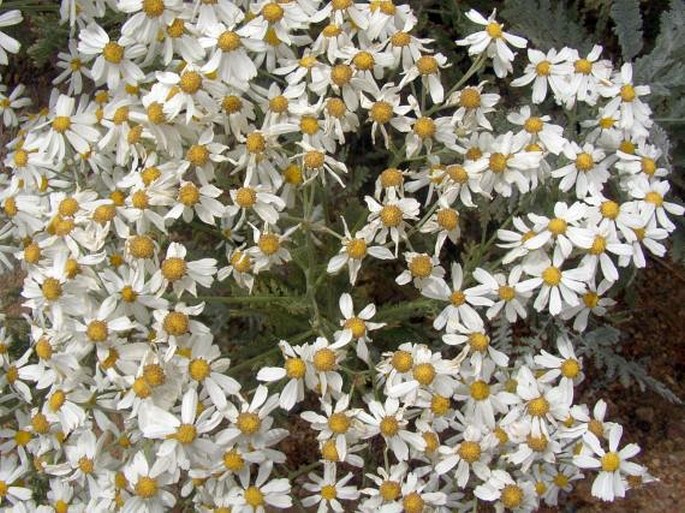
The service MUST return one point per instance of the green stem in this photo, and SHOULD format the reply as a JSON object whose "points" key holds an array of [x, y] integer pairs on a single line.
{"points": [[477, 64]]}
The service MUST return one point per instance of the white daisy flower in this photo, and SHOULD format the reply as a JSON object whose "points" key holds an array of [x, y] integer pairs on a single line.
{"points": [[492, 41], [552, 68], [388, 421], [115, 59], [147, 485], [613, 464], [181, 274], [559, 288], [328, 491], [588, 170]]}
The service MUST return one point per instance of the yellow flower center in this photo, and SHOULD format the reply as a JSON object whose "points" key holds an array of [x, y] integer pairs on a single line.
{"points": [[391, 216], [113, 52], [607, 123], [609, 209], [654, 198], [440, 404], [389, 426], [177, 28], [479, 342], [57, 399], [591, 299], [331, 30], [86, 465], [61, 124], [583, 66], [469, 98], [140, 200], [120, 115], [233, 460], [381, 112], [68, 207], [336, 107], [341, 74], [648, 166], [246, 197], [551, 276], [584, 162], [309, 125], [185, 434], [293, 174], [424, 373], [324, 360], [356, 248], [329, 451], [146, 487], [228, 41], [97, 331], [413, 503], [400, 39], [199, 369], [473, 153], [611, 462], [190, 82], [248, 423], [44, 349], [314, 159], [480, 390], [174, 268], [494, 30], [278, 104], [512, 496], [498, 162], [364, 61], [40, 423], [176, 324], [628, 93], [469, 451], [232, 104], [356, 326], [427, 65], [154, 374], [557, 226], [447, 218], [197, 155], [389, 490], [153, 8], [295, 368], [627, 147], [421, 266], [32, 253], [52, 289], [425, 128], [543, 68], [538, 407], [141, 246], [506, 293], [599, 245], [189, 194], [402, 361], [533, 125], [561, 480], [339, 423], [254, 497], [570, 368], [272, 12], [268, 243]]}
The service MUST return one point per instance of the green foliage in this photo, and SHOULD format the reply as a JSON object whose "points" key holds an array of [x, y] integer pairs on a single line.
{"points": [[549, 24], [628, 26], [603, 345]]}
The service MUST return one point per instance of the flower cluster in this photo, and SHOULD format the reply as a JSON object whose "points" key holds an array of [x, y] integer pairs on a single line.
{"points": [[236, 118]]}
